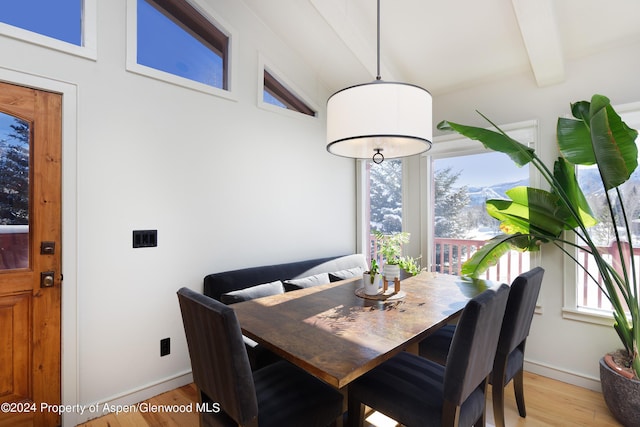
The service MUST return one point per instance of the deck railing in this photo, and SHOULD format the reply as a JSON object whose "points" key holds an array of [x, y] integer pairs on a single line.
{"points": [[590, 294], [450, 254]]}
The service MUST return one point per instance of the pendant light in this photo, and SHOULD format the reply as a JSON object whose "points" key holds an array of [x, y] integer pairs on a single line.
{"points": [[380, 119]]}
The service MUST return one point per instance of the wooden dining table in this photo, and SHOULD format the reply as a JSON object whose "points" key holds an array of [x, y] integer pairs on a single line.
{"points": [[335, 334]]}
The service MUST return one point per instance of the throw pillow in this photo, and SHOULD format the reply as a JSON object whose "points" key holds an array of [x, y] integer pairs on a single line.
{"points": [[306, 282], [346, 274], [253, 292]]}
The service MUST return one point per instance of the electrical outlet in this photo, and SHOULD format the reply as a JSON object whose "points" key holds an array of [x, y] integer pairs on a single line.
{"points": [[165, 346]]}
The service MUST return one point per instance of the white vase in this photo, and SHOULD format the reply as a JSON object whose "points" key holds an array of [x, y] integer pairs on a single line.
{"points": [[391, 271], [371, 288]]}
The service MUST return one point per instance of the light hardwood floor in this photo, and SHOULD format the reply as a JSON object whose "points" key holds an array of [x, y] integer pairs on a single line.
{"points": [[549, 403]]}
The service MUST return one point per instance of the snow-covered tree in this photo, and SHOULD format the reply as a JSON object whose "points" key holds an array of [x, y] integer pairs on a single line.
{"points": [[14, 175], [386, 196], [451, 220]]}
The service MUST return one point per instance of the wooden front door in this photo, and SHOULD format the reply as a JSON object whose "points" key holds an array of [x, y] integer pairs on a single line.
{"points": [[30, 261]]}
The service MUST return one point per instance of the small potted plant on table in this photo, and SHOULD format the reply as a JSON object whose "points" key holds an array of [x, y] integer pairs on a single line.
{"points": [[371, 279], [390, 246]]}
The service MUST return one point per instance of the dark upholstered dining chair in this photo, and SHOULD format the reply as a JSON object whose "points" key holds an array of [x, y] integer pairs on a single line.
{"points": [[278, 395], [509, 362], [415, 391]]}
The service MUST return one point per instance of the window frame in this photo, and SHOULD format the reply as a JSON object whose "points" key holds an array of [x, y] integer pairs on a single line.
{"points": [[294, 99], [630, 113], [87, 50], [284, 95], [204, 24]]}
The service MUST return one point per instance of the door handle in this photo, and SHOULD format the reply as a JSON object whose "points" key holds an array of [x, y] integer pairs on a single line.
{"points": [[47, 279]]}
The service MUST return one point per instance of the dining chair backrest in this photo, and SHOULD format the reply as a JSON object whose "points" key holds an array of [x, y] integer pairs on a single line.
{"points": [[519, 312], [219, 361], [474, 344]]}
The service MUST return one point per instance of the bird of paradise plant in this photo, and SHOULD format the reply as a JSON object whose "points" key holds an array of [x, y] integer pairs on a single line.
{"points": [[596, 135]]}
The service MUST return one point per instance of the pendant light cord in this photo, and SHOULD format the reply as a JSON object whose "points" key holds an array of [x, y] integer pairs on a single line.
{"points": [[378, 157], [378, 52]]}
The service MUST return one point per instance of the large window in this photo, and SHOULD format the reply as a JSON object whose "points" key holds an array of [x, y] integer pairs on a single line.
{"points": [[462, 176], [584, 298], [177, 43], [589, 294], [382, 200], [461, 224]]}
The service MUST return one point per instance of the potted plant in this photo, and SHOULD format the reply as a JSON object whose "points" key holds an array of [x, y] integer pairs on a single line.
{"points": [[533, 217], [372, 279], [390, 246]]}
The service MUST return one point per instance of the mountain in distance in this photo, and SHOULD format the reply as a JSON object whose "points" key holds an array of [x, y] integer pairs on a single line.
{"points": [[478, 195], [588, 179]]}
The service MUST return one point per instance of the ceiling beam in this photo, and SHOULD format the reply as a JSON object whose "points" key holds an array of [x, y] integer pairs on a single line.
{"points": [[540, 34]]}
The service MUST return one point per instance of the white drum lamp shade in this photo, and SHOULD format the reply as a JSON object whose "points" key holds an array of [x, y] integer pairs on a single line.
{"points": [[392, 119]]}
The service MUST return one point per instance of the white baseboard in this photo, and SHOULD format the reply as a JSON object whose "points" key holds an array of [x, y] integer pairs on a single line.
{"points": [[128, 398], [563, 375]]}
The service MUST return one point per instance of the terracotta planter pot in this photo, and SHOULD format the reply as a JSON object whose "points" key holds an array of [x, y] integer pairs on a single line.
{"points": [[621, 394]]}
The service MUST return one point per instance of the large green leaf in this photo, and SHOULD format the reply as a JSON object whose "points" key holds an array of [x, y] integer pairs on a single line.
{"points": [[530, 211], [565, 176], [489, 254], [519, 153], [599, 136], [580, 109], [625, 138], [573, 136]]}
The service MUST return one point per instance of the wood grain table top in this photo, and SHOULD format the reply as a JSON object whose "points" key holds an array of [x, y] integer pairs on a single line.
{"points": [[337, 336]]}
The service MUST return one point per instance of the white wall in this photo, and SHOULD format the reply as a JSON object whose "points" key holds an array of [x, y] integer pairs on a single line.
{"points": [[226, 184], [557, 347]]}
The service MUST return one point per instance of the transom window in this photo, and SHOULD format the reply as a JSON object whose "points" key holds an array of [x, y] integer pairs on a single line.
{"points": [[275, 93], [175, 38], [59, 19]]}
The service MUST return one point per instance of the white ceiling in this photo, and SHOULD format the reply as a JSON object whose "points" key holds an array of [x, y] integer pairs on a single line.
{"points": [[448, 44]]}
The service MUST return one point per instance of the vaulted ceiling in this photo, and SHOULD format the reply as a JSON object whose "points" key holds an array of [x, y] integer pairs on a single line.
{"points": [[446, 45]]}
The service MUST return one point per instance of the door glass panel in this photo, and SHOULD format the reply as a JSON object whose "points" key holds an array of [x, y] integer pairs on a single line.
{"points": [[14, 192]]}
